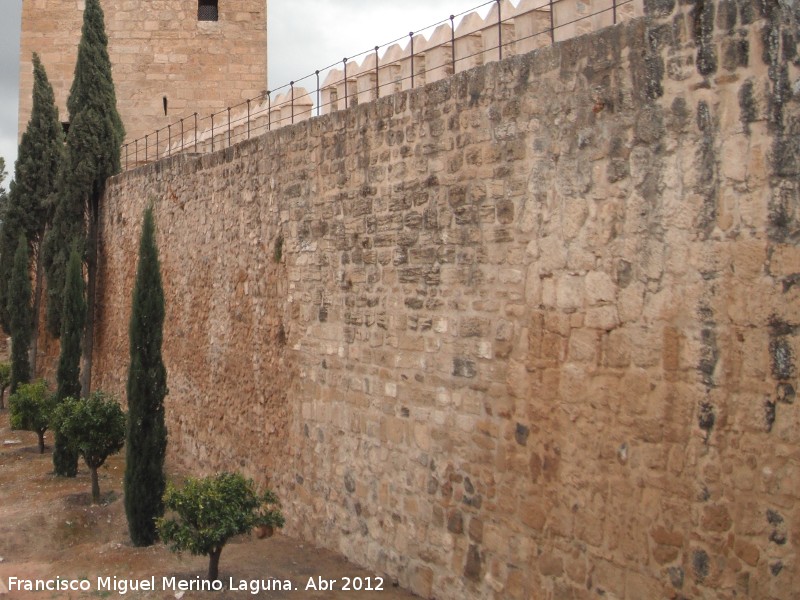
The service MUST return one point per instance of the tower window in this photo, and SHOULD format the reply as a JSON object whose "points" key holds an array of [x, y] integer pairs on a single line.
{"points": [[208, 10]]}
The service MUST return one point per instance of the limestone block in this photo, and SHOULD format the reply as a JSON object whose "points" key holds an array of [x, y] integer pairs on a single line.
{"points": [[602, 317], [584, 346], [570, 292], [599, 288]]}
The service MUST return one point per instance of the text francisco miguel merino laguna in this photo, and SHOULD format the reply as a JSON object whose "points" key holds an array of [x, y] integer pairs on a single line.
{"points": [[198, 584]]}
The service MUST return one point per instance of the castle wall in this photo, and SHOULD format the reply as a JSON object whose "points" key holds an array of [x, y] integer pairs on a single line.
{"points": [[157, 49], [528, 332]]}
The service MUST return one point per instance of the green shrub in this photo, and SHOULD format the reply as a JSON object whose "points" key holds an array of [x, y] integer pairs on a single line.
{"points": [[94, 427], [210, 510], [31, 408]]}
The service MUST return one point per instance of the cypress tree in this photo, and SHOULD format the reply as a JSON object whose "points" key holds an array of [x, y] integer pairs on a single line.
{"points": [[65, 458], [39, 157], [3, 206], [92, 155], [19, 308], [3, 195], [146, 441]]}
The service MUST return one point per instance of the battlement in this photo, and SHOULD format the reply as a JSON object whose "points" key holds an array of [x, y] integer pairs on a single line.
{"points": [[450, 48], [506, 30]]}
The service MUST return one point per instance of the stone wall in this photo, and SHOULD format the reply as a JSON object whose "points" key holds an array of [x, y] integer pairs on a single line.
{"points": [[528, 332]]}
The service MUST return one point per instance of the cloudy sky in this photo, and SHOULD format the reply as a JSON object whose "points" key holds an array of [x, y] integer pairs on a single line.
{"points": [[304, 35]]}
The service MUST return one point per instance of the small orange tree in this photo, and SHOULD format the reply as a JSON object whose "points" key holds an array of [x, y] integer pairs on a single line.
{"points": [[94, 427], [31, 409], [210, 510]]}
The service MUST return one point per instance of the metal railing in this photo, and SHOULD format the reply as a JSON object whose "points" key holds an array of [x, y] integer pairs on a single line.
{"points": [[290, 103]]}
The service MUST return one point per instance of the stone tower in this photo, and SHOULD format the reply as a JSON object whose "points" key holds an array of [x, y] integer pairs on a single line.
{"points": [[170, 58]]}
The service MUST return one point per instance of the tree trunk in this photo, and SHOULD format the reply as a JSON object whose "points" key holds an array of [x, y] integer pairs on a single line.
{"points": [[41, 441], [213, 564], [91, 288], [37, 303], [2, 398], [95, 486]]}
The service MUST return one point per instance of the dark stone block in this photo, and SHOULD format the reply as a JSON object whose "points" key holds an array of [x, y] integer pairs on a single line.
{"points": [[703, 32], [782, 356], [455, 522], [700, 564], [474, 564], [463, 367], [505, 212], [774, 517], [676, 577], [706, 417], [521, 434], [726, 15], [735, 54], [659, 8], [769, 414], [747, 105], [778, 537]]}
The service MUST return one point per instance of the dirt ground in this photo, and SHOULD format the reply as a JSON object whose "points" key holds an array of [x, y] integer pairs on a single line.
{"points": [[50, 529]]}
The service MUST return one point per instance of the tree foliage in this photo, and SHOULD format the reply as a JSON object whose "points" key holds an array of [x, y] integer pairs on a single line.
{"points": [[65, 456], [31, 408], [20, 318], [210, 510], [92, 155], [3, 175], [146, 389], [94, 427], [74, 315], [30, 202], [3, 204], [5, 381]]}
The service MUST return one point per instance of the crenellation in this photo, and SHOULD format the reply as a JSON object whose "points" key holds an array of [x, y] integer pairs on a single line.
{"points": [[525, 27]]}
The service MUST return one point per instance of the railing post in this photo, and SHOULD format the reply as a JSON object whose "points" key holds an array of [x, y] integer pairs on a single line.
{"points": [[181, 135], [317, 74], [377, 75], [195, 132], [229, 127], [614, 10], [156, 145], [248, 118], [145, 148], [344, 61], [411, 36], [291, 85], [269, 112], [126, 157], [136, 142], [212, 132], [552, 24], [499, 32], [453, 40], [169, 139]]}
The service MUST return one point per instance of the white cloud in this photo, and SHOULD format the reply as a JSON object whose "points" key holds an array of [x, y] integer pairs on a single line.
{"points": [[9, 81]]}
